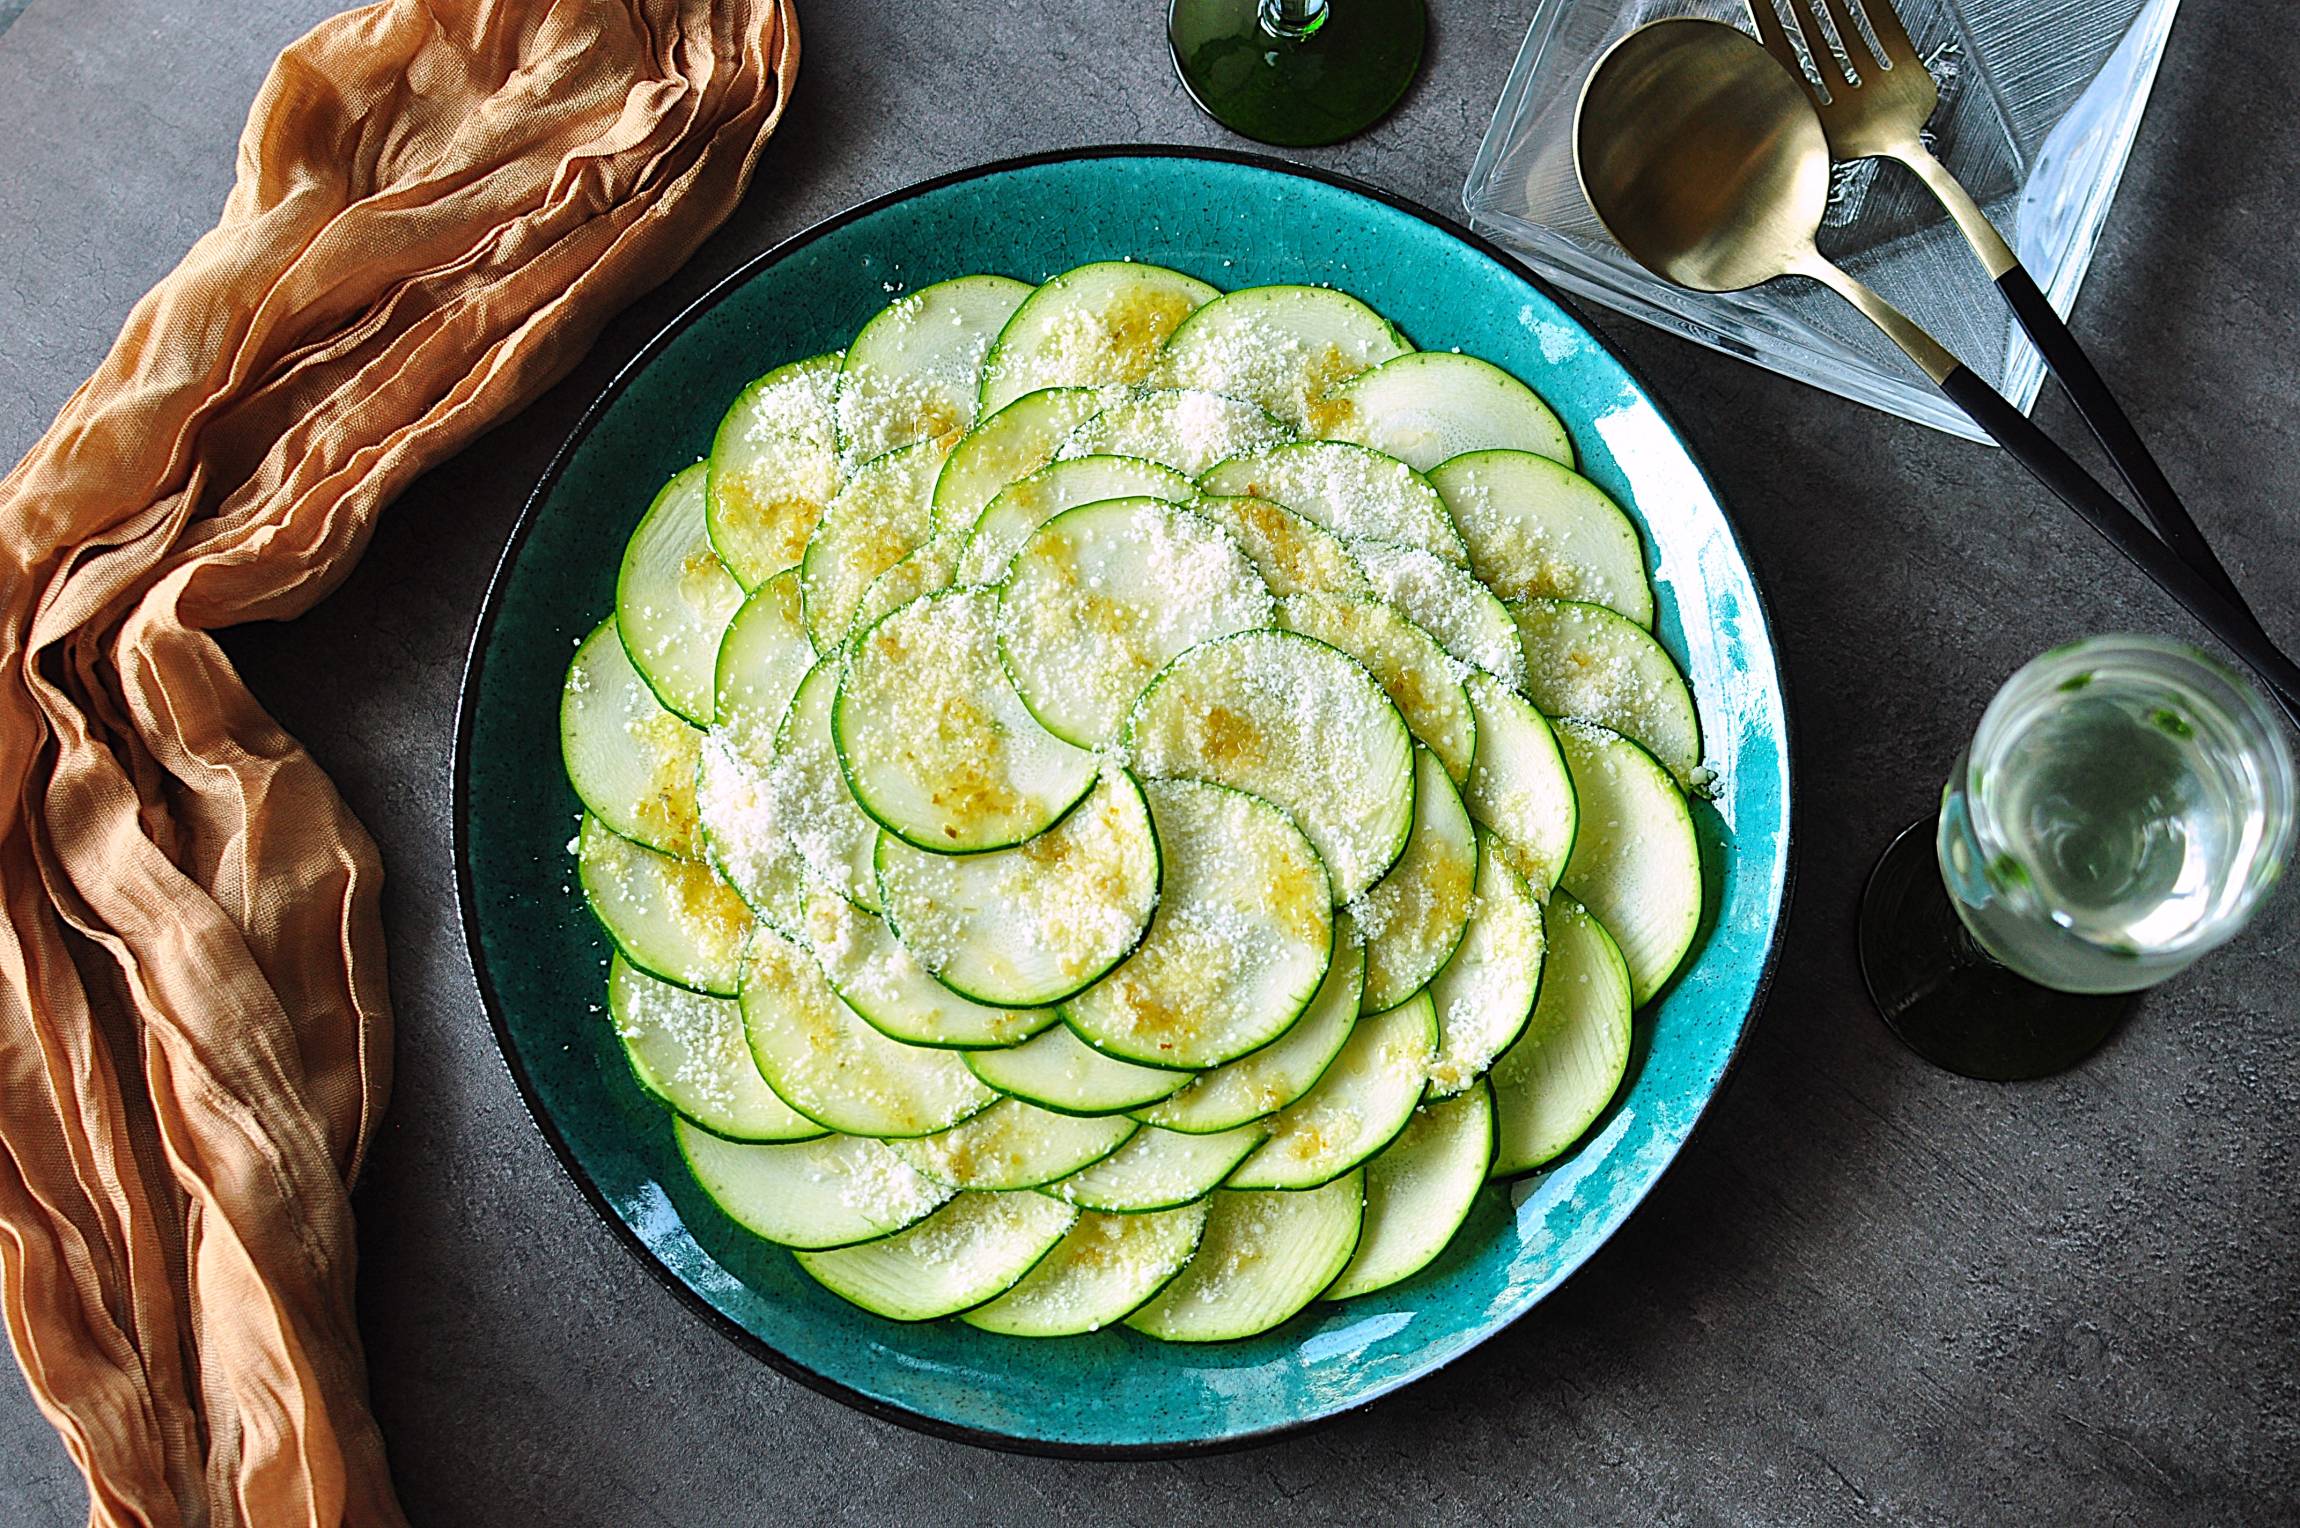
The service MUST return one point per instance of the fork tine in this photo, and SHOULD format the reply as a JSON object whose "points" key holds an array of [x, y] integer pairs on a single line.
{"points": [[1825, 60], [1775, 37], [1855, 41], [1892, 34]]}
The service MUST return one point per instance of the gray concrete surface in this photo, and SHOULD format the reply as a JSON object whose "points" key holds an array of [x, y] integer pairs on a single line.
{"points": [[1871, 1291]]}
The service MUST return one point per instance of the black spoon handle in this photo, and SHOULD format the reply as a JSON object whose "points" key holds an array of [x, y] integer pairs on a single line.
{"points": [[2058, 471]]}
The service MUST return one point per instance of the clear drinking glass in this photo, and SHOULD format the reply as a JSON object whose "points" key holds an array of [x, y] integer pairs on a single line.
{"points": [[2125, 806]]}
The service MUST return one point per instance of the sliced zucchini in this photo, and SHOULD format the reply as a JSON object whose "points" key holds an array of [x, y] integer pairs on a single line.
{"points": [[973, 1249], [882, 515], [1017, 440], [1257, 1085], [687, 1050], [835, 1191], [1556, 1080], [830, 831], [1356, 1109], [1022, 507], [1421, 679], [774, 464], [1301, 725], [1412, 919], [762, 658], [1182, 428], [1029, 926], [1239, 943], [631, 761], [825, 1062], [1537, 529], [930, 569], [1355, 493], [744, 837], [672, 918], [1103, 596], [1262, 1258], [1419, 1191], [1284, 347], [1057, 1070], [1596, 665], [881, 980], [673, 599], [935, 743], [1519, 788], [915, 370], [1157, 1170], [1635, 864], [1105, 1268], [1099, 323], [1434, 404], [1012, 1144], [1446, 602], [1485, 994], [1293, 555]]}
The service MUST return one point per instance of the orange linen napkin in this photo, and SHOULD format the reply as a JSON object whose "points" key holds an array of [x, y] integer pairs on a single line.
{"points": [[439, 203]]}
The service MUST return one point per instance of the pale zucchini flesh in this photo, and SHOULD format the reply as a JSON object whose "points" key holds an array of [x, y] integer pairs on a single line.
{"points": [[1008, 445], [1022, 507], [1537, 529], [1257, 1085], [833, 1191], [630, 759], [672, 918], [673, 599], [1284, 347], [774, 464], [1262, 1258], [811, 799], [1106, 1267], [1358, 1106], [1157, 1170], [1519, 789], [1186, 429], [1595, 665], [1419, 1191], [1551, 1086], [1013, 1145], [743, 835], [881, 980], [1426, 407], [763, 656], [1445, 601], [1421, 679], [1636, 863], [687, 1050], [1095, 325], [881, 515], [914, 371], [1412, 919], [1356, 493], [1486, 992], [929, 569], [1057, 1070], [973, 1249], [1294, 555]]}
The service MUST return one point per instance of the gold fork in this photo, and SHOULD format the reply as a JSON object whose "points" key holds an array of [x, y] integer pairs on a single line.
{"points": [[1874, 102]]}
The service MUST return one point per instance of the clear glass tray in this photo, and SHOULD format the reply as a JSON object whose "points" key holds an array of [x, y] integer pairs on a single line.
{"points": [[2039, 104]]}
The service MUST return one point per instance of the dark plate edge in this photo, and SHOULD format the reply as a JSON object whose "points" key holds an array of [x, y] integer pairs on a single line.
{"points": [[467, 913]]}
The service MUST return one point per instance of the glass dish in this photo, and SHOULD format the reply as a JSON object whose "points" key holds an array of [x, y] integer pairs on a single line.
{"points": [[2039, 105]]}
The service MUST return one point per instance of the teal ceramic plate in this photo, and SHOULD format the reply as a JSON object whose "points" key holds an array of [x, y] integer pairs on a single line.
{"points": [[1235, 221]]}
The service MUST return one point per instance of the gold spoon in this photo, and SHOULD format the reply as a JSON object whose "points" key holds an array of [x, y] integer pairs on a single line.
{"points": [[1706, 161]]}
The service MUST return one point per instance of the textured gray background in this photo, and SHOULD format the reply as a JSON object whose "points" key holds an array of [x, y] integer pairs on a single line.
{"points": [[1870, 1290]]}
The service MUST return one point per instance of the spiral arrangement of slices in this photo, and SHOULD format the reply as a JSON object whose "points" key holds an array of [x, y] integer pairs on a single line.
{"points": [[1118, 802]]}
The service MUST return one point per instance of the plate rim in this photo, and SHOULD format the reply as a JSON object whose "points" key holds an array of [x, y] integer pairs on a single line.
{"points": [[466, 711]]}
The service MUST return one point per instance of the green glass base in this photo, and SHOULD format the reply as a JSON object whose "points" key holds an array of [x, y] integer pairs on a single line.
{"points": [[1340, 79], [1944, 995]]}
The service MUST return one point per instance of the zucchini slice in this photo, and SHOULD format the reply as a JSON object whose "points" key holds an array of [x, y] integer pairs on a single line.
{"points": [[824, 1061], [1596, 665], [935, 743], [673, 599], [1293, 555], [1022, 507], [1356, 1109], [1486, 993], [1537, 529], [1239, 943], [1029, 926], [688, 1051], [1257, 1085], [1419, 1191], [1284, 347], [1012, 1145], [973, 1249], [1446, 602], [631, 761], [1413, 918], [930, 569], [1421, 679], [1157, 1170], [774, 464], [1519, 787], [1012, 443], [1301, 725], [762, 659], [812, 803], [881, 980], [1435, 404], [744, 837], [1097, 324], [1057, 1070], [881, 516], [1105, 1269], [1355, 493], [1103, 596], [1556, 1080], [1636, 864], [672, 918], [834, 1191], [1262, 1258], [1182, 428], [914, 371]]}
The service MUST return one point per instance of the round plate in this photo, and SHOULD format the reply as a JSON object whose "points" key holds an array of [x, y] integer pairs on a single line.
{"points": [[1235, 221]]}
